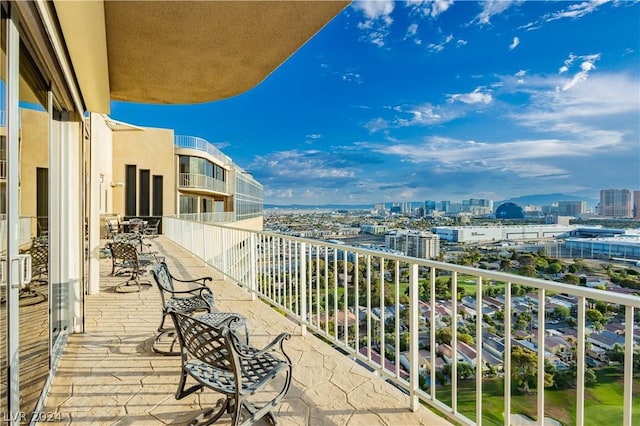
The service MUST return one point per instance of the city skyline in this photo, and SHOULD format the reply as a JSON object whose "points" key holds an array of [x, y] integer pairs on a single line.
{"points": [[441, 100]]}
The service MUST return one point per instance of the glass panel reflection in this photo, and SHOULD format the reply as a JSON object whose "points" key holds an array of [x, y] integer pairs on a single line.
{"points": [[34, 241], [3, 214]]}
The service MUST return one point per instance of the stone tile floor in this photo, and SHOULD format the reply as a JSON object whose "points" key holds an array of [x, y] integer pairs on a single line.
{"points": [[110, 375]]}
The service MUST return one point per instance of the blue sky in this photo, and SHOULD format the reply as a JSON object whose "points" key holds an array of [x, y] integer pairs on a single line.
{"points": [[439, 100]]}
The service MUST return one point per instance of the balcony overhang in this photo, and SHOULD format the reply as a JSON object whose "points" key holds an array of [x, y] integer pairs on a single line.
{"points": [[183, 52]]}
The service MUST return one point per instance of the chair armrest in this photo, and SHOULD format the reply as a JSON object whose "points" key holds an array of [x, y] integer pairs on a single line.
{"points": [[195, 280], [275, 345], [199, 290]]}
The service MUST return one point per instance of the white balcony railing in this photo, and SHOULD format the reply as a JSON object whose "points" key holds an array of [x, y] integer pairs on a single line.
{"points": [[204, 182], [209, 217], [194, 142], [343, 302]]}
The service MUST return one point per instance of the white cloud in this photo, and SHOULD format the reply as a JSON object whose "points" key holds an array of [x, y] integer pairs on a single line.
{"points": [[425, 115], [298, 165], [376, 125], [475, 97], [351, 77], [587, 65], [377, 19], [515, 43], [440, 46], [379, 9], [412, 31], [440, 6], [595, 101], [461, 42], [576, 10], [492, 8], [431, 8], [520, 73]]}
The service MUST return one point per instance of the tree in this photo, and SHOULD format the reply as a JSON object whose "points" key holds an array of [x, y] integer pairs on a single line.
{"points": [[571, 279], [554, 268], [524, 365], [561, 312], [527, 271], [602, 306], [443, 335], [466, 338], [590, 377], [594, 315]]}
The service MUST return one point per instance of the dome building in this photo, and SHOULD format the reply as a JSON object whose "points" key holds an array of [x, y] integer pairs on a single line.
{"points": [[509, 211]]}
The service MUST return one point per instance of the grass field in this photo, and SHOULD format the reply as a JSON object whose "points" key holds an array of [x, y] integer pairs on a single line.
{"points": [[603, 401]]}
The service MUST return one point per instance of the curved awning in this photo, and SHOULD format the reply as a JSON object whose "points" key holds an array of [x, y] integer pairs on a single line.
{"points": [[183, 52]]}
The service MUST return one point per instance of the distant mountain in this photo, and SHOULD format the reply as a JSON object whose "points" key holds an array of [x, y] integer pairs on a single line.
{"points": [[547, 199], [319, 206], [534, 199]]}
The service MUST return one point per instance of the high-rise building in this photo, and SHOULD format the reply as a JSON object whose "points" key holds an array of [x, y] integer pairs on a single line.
{"points": [[572, 208], [421, 244], [477, 206], [636, 205], [615, 203], [429, 207], [444, 205]]}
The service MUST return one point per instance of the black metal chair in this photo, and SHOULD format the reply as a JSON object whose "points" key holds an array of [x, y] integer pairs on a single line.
{"points": [[126, 259], [195, 297], [151, 229], [39, 252], [214, 356], [134, 238]]}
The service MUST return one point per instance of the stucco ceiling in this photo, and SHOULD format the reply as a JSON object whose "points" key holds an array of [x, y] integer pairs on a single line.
{"points": [[178, 52], [182, 52]]}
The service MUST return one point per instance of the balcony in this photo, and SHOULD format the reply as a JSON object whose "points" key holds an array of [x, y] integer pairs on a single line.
{"points": [[193, 142], [110, 375], [200, 183], [334, 292]]}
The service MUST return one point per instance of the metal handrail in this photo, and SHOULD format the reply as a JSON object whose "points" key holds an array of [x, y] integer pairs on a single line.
{"points": [[194, 142], [303, 278]]}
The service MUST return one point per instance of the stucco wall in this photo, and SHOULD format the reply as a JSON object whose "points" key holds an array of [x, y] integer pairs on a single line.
{"points": [[151, 149], [34, 153]]}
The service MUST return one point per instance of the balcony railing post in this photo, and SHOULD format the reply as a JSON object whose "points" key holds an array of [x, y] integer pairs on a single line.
{"points": [[628, 367], [581, 362], [303, 289], [414, 350], [253, 255]]}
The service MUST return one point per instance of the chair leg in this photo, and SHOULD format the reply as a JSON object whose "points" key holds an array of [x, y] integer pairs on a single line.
{"points": [[237, 411], [224, 404], [181, 392]]}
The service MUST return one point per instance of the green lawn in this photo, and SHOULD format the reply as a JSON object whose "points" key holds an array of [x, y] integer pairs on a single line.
{"points": [[603, 401], [470, 286]]}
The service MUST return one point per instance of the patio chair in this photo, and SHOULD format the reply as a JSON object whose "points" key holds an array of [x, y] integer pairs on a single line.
{"points": [[133, 238], [39, 252], [112, 227], [151, 229], [195, 297], [214, 356], [126, 259]]}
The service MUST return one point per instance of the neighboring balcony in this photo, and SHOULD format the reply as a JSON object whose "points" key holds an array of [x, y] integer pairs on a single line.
{"points": [[385, 312], [193, 142], [202, 183]]}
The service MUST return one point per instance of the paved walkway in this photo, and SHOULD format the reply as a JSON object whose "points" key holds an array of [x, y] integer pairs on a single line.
{"points": [[110, 376]]}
